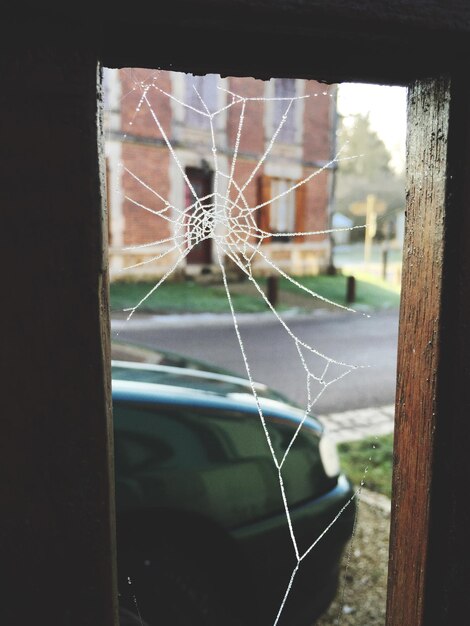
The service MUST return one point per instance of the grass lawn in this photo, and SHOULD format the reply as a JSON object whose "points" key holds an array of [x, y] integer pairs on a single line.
{"points": [[371, 292], [187, 297], [194, 297], [375, 454]]}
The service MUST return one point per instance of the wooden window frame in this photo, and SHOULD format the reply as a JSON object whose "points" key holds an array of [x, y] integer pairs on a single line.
{"points": [[49, 61]]}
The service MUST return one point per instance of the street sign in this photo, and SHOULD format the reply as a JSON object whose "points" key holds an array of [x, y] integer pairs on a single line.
{"points": [[370, 209], [360, 208]]}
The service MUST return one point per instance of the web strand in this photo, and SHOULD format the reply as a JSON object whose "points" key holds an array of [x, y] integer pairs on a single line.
{"points": [[231, 224]]}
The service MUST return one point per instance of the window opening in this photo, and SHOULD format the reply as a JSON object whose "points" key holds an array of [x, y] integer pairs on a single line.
{"points": [[199, 89], [223, 206], [285, 88], [200, 247], [282, 210]]}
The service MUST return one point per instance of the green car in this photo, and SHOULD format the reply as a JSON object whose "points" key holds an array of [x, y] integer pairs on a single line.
{"points": [[203, 538]]}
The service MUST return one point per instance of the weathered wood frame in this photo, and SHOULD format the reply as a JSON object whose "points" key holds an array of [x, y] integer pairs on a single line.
{"points": [[57, 514]]}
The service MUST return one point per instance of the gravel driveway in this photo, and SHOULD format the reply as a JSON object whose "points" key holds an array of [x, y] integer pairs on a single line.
{"points": [[362, 592]]}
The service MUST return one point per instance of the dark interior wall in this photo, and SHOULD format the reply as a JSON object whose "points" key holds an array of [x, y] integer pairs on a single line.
{"points": [[56, 528], [381, 41]]}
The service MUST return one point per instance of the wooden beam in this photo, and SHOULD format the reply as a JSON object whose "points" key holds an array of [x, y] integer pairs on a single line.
{"points": [[382, 41], [57, 521], [430, 541]]}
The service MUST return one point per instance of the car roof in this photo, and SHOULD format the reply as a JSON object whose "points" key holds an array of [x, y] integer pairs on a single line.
{"points": [[189, 378], [125, 351], [145, 383], [162, 367]]}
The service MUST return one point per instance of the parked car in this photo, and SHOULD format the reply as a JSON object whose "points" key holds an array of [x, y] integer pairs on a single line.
{"points": [[202, 533]]}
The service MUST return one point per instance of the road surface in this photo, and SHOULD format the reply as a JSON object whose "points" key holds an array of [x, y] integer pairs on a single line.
{"points": [[346, 337]]}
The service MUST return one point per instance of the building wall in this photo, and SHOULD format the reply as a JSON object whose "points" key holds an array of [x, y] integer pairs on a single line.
{"points": [[149, 164], [146, 177]]}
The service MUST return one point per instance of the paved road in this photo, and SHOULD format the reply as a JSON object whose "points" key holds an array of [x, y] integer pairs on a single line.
{"points": [[346, 337]]}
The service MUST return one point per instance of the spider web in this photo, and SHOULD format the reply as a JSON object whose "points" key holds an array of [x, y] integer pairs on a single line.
{"points": [[226, 217]]}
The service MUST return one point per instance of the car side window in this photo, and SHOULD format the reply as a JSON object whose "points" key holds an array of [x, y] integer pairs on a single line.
{"points": [[153, 437]]}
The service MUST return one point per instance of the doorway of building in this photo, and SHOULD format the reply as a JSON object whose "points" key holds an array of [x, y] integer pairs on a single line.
{"points": [[201, 181]]}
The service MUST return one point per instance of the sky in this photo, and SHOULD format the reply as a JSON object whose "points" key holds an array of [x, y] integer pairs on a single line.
{"points": [[387, 113]]}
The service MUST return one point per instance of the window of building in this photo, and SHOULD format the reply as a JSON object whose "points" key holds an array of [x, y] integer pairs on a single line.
{"points": [[282, 208], [285, 88], [198, 89]]}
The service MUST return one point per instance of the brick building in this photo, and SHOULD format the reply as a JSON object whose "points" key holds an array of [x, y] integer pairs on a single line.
{"points": [[160, 146]]}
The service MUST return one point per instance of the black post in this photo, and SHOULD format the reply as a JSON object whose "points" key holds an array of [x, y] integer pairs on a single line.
{"points": [[350, 289], [273, 289], [384, 263]]}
